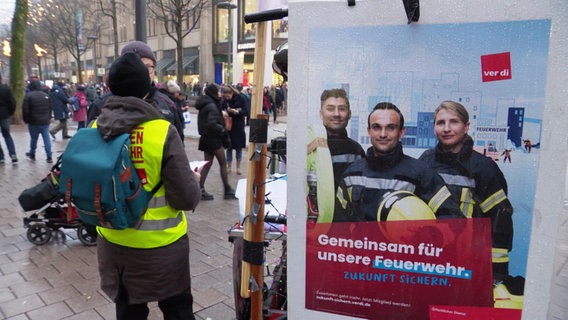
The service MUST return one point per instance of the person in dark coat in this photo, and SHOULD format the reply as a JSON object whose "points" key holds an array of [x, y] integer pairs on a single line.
{"points": [[235, 105], [36, 110], [214, 138], [59, 100], [7, 108]]}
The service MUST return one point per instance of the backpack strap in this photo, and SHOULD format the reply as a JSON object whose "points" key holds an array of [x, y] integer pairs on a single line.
{"points": [[157, 187]]}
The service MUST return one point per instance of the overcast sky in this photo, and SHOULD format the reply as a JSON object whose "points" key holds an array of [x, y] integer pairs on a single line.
{"points": [[6, 11]]}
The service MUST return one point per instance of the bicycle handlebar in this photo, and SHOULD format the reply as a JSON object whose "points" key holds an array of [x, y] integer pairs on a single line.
{"points": [[268, 15], [279, 219]]}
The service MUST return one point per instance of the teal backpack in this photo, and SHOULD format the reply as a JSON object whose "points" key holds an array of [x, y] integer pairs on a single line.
{"points": [[99, 179]]}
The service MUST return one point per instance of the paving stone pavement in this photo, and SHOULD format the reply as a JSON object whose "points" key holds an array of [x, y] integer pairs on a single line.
{"points": [[59, 280]]}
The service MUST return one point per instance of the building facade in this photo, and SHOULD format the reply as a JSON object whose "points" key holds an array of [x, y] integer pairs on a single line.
{"points": [[219, 49]]}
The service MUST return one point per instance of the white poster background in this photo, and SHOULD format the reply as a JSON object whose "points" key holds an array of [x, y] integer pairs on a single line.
{"points": [[548, 208]]}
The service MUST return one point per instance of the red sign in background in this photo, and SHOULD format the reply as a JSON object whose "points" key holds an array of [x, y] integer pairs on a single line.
{"points": [[398, 269], [495, 67]]}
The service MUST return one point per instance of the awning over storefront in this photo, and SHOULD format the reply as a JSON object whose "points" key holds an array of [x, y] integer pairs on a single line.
{"points": [[164, 63], [187, 60]]}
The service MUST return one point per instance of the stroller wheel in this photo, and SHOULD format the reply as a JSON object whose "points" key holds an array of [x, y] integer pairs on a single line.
{"points": [[87, 234], [38, 233]]}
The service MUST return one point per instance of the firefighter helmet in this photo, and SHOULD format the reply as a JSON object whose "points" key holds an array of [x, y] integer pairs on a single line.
{"points": [[403, 205]]}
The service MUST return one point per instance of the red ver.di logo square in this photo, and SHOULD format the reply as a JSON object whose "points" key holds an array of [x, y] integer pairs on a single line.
{"points": [[496, 67]]}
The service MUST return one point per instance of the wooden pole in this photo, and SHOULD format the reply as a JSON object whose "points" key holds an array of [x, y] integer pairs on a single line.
{"points": [[256, 176]]}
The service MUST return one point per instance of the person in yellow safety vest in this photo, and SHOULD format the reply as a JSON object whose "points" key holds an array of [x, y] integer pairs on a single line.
{"points": [[149, 262], [335, 113], [473, 179]]}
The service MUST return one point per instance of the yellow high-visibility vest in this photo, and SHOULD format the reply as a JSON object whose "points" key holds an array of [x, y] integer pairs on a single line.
{"points": [[161, 224]]}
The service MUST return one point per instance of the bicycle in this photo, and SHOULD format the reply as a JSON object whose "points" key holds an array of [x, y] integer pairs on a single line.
{"points": [[274, 285]]}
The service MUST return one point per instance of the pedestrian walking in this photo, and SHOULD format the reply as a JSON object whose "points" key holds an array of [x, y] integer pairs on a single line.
{"points": [[7, 109], [59, 99], [80, 115], [36, 110], [213, 138]]}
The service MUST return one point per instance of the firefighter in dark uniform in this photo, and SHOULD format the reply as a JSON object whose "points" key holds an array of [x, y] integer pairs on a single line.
{"points": [[387, 169], [474, 180]]}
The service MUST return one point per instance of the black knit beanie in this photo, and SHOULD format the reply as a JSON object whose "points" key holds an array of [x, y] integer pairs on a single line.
{"points": [[128, 76], [212, 90]]}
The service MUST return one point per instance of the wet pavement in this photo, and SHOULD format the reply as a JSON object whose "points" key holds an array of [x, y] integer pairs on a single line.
{"points": [[59, 280]]}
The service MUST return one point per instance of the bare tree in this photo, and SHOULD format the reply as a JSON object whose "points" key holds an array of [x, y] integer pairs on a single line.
{"points": [[179, 17], [110, 9], [41, 28], [70, 22]]}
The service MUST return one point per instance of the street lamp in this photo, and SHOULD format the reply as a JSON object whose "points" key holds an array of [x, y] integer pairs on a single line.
{"points": [[94, 38], [40, 52], [229, 6]]}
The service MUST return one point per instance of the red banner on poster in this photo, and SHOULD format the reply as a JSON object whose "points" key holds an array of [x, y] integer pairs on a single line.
{"points": [[398, 269]]}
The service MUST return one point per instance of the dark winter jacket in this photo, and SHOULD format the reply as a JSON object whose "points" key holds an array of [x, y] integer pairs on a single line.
{"points": [[36, 108], [366, 181], [210, 124], [7, 102], [59, 100], [477, 183], [168, 109], [237, 133]]}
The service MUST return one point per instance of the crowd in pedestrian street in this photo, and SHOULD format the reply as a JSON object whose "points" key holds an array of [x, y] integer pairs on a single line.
{"points": [[130, 97]]}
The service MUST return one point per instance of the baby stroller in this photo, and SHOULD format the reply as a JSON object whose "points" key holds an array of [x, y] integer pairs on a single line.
{"points": [[47, 212]]}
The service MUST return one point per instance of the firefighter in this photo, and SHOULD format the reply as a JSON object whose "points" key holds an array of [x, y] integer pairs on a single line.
{"points": [[474, 180], [386, 168]]}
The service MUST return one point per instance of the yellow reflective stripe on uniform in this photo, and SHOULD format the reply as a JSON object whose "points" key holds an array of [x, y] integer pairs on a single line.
{"points": [[379, 183], [442, 195], [345, 158], [467, 202], [341, 198], [499, 255], [457, 180], [162, 224], [493, 200]]}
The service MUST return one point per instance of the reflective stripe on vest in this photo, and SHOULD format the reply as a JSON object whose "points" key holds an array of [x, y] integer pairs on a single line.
{"points": [[442, 195], [499, 255], [457, 180], [161, 224], [345, 158], [379, 183], [493, 200], [467, 203]]}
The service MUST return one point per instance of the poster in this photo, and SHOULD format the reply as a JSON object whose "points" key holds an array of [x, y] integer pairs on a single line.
{"points": [[498, 70]]}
